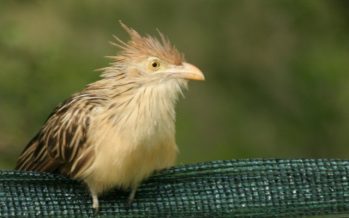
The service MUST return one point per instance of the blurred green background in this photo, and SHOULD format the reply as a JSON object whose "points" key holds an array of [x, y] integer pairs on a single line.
{"points": [[277, 71]]}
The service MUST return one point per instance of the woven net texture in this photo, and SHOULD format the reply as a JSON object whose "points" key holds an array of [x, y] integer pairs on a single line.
{"points": [[235, 188]]}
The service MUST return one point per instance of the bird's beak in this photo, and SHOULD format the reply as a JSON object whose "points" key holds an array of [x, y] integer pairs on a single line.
{"points": [[186, 71]]}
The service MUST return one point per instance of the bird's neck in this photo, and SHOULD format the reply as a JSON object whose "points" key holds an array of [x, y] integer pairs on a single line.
{"points": [[145, 111]]}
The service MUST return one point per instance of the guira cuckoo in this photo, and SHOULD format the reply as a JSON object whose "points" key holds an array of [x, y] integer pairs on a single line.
{"points": [[121, 128]]}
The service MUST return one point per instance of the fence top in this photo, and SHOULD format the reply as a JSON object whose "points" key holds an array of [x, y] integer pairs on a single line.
{"points": [[231, 188]]}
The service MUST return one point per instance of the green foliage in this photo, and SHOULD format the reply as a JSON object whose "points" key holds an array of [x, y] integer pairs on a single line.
{"points": [[277, 71]]}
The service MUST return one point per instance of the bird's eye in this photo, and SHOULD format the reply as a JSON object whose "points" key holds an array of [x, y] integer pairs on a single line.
{"points": [[155, 64]]}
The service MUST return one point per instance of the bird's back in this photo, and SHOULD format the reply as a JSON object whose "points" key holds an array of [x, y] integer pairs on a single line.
{"points": [[62, 138]]}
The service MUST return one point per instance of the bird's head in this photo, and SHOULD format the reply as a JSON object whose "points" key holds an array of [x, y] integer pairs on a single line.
{"points": [[146, 60], [143, 84]]}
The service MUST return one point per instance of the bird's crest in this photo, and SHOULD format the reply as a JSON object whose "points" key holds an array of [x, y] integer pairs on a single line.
{"points": [[147, 45]]}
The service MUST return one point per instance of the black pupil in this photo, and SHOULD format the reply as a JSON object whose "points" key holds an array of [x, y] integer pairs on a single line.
{"points": [[154, 64]]}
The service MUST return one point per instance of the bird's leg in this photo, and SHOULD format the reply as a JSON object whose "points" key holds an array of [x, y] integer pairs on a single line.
{"points": [[131, 197], [95, 203]]}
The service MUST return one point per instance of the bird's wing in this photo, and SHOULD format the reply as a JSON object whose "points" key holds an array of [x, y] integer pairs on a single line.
{"points": [[62, 145]]}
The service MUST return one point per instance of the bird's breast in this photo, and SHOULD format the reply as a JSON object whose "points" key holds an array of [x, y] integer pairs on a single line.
{"points": [[129, 151]]}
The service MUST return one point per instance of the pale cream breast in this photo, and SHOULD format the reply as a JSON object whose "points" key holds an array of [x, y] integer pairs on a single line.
{"points": [[133, 140], [126, 156]]}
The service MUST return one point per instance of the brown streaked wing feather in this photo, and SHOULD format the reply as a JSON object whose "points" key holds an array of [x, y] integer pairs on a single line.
{"points": [[62, 139]]}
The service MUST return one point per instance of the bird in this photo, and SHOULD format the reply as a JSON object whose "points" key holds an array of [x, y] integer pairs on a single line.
{"points": [[120, 129]]}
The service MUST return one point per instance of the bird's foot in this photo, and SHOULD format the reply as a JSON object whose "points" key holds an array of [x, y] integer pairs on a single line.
{"points": [[95, 203], [131, 197]]}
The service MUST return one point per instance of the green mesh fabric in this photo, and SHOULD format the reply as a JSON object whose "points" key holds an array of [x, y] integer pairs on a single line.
{"points": [[236, 188]]}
